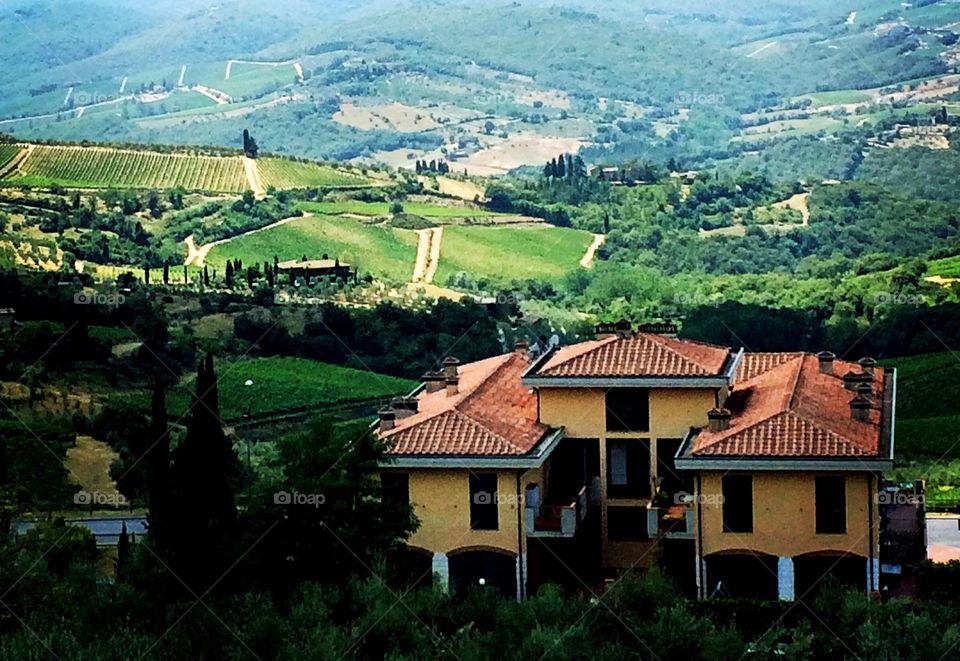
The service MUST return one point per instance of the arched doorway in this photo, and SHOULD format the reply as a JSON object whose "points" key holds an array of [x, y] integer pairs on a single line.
{"points": [[410, 567], [742, 574], [815, 571], [483, 568]]}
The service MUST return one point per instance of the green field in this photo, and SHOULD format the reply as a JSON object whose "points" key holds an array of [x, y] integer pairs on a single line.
{"points": [[254, 80], [95, 167], [373, 209], [283, 173], [380, 251], [948, 267], [7, 152], [836, 97], [510, 253], [282, 384], [927, 441]]}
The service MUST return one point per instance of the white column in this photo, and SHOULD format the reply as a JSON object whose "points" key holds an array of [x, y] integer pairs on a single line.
{"points": [[521, 575], [441, 570], [873, 574], [698, 573], [785, 578]]}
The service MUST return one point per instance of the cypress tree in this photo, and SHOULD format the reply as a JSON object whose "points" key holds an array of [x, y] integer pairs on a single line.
{"points": [[203, 478], [123, 554]]}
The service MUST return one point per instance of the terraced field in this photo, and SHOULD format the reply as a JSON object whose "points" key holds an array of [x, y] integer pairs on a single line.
{"points": [[283, 173], [508, 253], [96, 167], [381, 251]]}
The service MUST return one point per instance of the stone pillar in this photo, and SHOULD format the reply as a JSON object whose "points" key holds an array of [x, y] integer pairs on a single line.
{"points": [[441, 570], [785, 587], [873, 574]]}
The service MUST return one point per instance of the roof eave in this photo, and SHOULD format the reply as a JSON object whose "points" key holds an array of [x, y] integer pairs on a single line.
{"points": [[787, 464], [627, 381], [533, 459]]}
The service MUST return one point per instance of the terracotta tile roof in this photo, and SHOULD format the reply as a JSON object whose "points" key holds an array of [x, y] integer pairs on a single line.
{"points": [[791, 409], [492, 415], [641, 355], [754, 364]]}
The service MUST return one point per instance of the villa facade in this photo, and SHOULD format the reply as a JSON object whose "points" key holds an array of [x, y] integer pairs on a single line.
{"points": [[741, 474]]}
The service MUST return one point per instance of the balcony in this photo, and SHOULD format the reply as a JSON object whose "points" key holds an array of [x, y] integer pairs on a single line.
{"points": [[558, 519], [670, 522]]}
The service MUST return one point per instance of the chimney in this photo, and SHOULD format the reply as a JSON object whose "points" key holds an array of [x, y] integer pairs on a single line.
{"points": [[860, 408], [826, 359], [851, 380], [450, 367], [404, 407], [453, 385], [867, 365], [388, 418], [521, 347], [719, 419], [433, 381]]}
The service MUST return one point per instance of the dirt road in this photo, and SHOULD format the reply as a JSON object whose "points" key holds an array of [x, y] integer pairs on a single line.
{"points": [[428, 254], [587, 261], [197, 254]]}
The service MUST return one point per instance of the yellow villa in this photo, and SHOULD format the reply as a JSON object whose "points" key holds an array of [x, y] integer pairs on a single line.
{"points": [[742, 474]]}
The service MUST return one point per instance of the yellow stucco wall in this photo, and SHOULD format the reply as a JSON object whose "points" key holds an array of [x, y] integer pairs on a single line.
{"points": [[441, 501], [582, 411], [784, 516]]}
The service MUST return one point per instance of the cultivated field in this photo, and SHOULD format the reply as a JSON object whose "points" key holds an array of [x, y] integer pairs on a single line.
{"points": [[948, 267], [7, 153], [928, 412], [380, 251], [506, 253], [97, 167], [283, 384], [283, 173]]}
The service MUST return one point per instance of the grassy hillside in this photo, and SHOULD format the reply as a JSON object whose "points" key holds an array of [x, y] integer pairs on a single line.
{"points": [[508, 253], [281, 384], [381, 251], [373, 209], [928, 420]]}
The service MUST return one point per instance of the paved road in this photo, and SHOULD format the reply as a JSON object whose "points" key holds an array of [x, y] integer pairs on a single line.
{"points": [[943, 539], [106, 530]]}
